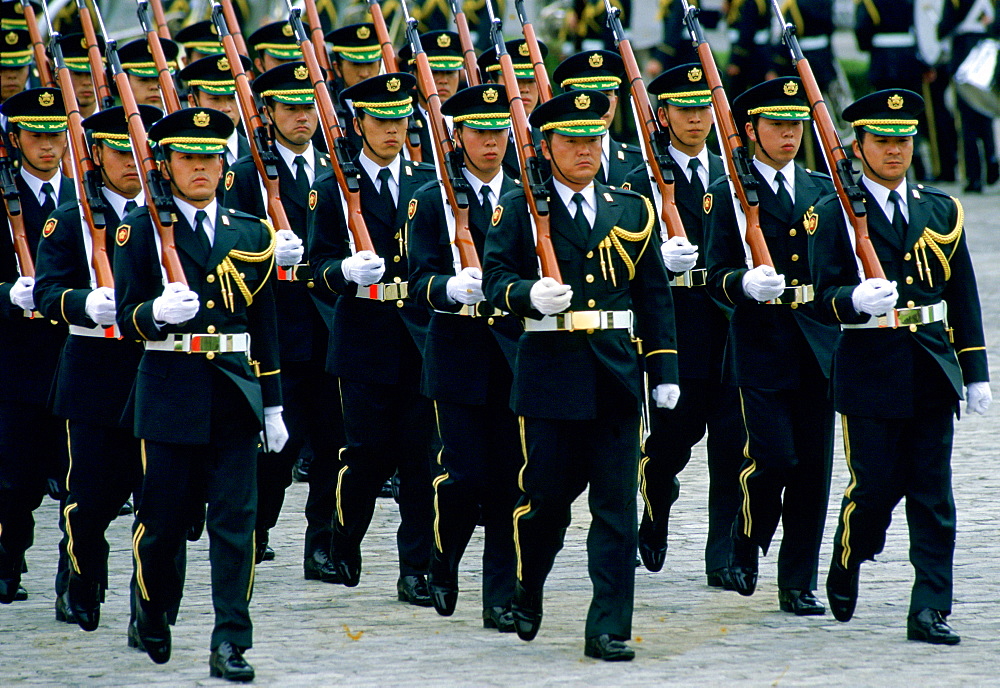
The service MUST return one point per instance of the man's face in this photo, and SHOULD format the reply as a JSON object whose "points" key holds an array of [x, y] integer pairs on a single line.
{"points": [[446, 83], [689, 125], [484, 148], [383, 137], [297, 123], [194, 176], [889, 157], [12, 81], [354, 72], [146, 90], [40, 151], [265, 61], [575, 159], [225, 104], [779, 139], [529, 92], [83, 86], [119, 170]]}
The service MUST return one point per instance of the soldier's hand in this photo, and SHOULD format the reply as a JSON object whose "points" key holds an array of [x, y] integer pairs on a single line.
{"points": [[21, 293], [176, 305], [274, 434], [549, 297], [363, 268], [875, 296], [978, 397], [763, 284], [666, 395], [100, 306], [288, 248], [679, 254], [466, 287]]}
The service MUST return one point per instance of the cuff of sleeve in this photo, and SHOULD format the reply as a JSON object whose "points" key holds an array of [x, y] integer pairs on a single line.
{"points": [[273, 410]]}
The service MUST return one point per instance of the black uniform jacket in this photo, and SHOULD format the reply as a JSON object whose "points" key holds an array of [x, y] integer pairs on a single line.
{"points": [[172, 395], [29, 348], [899, 64], [458, 348], [555, 375], [367, 337], [873, 368], [622, 159], [95, 374], [764, 342], [701, 324]]}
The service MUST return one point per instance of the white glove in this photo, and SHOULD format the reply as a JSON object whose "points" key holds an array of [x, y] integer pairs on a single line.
{"points": [[288, 248], [763, 283], [177, 304], [978, 397], [875, 296], [100, 306], [679, 254], [466, 287], [274, 434], [21, 293], [363, 268], [666, 395], [549, 297]]}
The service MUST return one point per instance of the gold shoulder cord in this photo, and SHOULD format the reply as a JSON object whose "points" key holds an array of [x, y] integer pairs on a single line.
{"points": [[228, 273], [617, 234], [934, 240]]}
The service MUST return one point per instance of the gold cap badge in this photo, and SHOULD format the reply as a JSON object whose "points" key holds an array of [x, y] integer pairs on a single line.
{"points": [[490, 95], [444, 40], [791, 88], [523, 50], [46, 99], [392, 85], [301, 72], [287, 29], [895, 101], [11, 37], [223, 64], [363, 32], [582, 101], [201, 119], [596, 60], [694, 74]]}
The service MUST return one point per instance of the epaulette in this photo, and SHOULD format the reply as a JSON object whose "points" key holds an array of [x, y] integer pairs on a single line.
{"points": [[932, 190], [240, 215], [819, 175]]}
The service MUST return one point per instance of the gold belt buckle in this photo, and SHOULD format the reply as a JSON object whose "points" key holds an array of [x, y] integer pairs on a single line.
{"points": [[910, 316], [586, 320]]}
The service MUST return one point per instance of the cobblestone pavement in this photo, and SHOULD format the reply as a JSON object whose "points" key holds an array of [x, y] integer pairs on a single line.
{"points": [[311, 633]]}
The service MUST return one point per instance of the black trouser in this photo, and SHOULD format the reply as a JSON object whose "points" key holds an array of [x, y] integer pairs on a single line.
{"points": [[477, 482], [703, 405], [977, 128], [105, 469], [787, 473], [893, 458], [388, 428], [311, 414]]}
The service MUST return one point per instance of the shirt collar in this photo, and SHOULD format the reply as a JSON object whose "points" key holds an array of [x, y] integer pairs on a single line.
{"points": [[589, 194], [606, 149], [881, 195], [289, 156], [477, 184], [188, 211], [233, 143], [769, 173], [682, 159], [373, 168], [35, 184], [117, 201]]}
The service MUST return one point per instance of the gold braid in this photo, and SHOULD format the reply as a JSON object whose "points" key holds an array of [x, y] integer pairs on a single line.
{"points": [[228, 273], [934, 241], [617, 233]]}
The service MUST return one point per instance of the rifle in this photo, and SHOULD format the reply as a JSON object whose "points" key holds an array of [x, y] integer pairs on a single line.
{"points": [[534, 53], [167, 88], [336, 142], [465, 39], [391, 63], [655, 141], [535, 189], [318, 41], [229, 14], [741, 177], [449, 160], [161, 19], [12, 201], [850, 194], [159, 197], [37, 45], [97, 73]]}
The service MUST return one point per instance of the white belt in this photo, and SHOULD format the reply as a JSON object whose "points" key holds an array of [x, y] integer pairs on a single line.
{"points": [[804, 293], [893, 40], [381, 291], [691, 278], [814, 42], [103, 332], [476, 310], [580, 320], [904, 317], [203, 343], [295, 273]]}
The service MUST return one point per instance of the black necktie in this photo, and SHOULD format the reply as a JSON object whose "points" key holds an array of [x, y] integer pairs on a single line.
{"points": [[580, 219], [696, 185], [48, 198], [784, 198], [199, 231], [898, 221], [384, 192], [484, 191], [130, 205], [301, 178]]}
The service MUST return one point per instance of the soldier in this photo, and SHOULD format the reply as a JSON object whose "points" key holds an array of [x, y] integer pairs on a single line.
{"points": [[387, 423], [211, 84], [356, 56], [199, 40], [467, 365], [578, 376], [900, 370], [141, 70], [601, 70], [706, 402], [779, 350], [199, 415], [74, 49], [444, 54], [749, 33], [309, 393], [96, 369], [32, 439], [273, 44], [15, 63]]}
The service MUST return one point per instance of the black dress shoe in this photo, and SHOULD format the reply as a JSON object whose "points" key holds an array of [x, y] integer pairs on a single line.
{"points": [[263, 552], [842, 591], [318, 567], [975, 186], [385, 491], [134, 641], [21, 595], [347, 565], [300, 471], [720, 578], [743, 572], [413, 590], [84, 599], [992, 173], [227, 662], [153, 633], [608, 648], [444, 594], [800, 602], [526, 608], [197, 525], [929, 626], [500, 618], [652, 543], [64, 612]]}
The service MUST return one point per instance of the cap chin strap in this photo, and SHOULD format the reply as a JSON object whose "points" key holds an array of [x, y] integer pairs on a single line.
{"points": [[868, 165], [759, 143], [174, 188], [465, 153]]}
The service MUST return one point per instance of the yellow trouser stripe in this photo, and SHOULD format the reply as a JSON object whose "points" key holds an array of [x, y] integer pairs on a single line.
{"points": [[142, 452], [845, 538], [642, 485], [69, 452], [437, 424], [139, 579], [253, 565], [524, 453], [437, 512], [340, 504], [518, 513], [69, 537], [745, 473]]}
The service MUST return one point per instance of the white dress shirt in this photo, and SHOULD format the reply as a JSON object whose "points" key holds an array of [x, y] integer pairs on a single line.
{"points": [[372, 168], [589, 200], [188, 211]]}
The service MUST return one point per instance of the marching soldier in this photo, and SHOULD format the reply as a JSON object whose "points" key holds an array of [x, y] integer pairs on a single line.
{"points": [[467, 365], [96, 369], [749, 33], [779, 350], [357, 56], [578, 377], [387, 423], [601, 70], [32, 439], [74, 48], [900, 368], [273, 44], [444, 54], [141, 70], [199, 40], [706, 402], [208, 381]]}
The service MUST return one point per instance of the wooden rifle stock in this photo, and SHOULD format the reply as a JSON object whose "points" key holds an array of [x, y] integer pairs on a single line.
{"points": [[336, 141], [94, 57], [234, 26], [382, 33], [167, 88], [465, 40], [161, 19], [37, 45], [12, 202], [318, 41], [737, 159], [534, 53]]}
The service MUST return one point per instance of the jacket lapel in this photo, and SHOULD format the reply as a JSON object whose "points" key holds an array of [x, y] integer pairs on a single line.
{"points": [[608, 214], [286, 182], [806, 193], [226, 237], [186, 240], [407, 189], [918, 217]]}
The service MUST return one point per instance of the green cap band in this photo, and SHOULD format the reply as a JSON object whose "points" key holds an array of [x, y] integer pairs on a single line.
{"points": [[281, 51], [206, 47], [53, 123], [782, 112], [592, 83], [186, 144], [215, 88], [146, 70], [577, 127], [888, 127], [488, 121], [291, 96], [15, 59], [687, 98], [119, 142], [521, 71], [363, 54], [396, 109]]}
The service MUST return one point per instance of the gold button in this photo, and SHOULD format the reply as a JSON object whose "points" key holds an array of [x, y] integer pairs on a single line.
{"points": [[210, 279], [210, 304], [590, 278], [792, 232], [54, 322], [907, 257], [489, 321], [396, 236], [396, 259], [211, 329], [794, 282], [795, 257], [210, 355], [913, 328], [590, 254], [909, 279], [794, 306], [243, 275], [591, 303], [590, 331], [397, 280], [399, 304], [910, 304], [310, 284]]}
